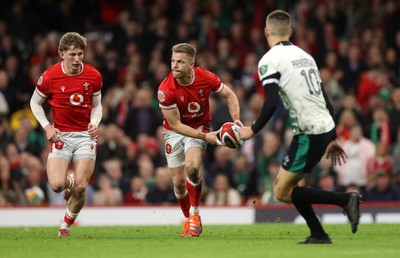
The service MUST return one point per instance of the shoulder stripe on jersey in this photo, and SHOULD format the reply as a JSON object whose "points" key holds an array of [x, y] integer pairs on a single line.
{"points": [[273, 78], [220, 88], [41, 93], [168, 107], [96, 93]]}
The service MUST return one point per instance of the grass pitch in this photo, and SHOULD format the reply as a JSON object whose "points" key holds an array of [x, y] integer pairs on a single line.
{"points": [[260, 240]]}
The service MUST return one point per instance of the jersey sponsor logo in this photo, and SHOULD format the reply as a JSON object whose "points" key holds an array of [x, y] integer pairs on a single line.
{"points": [[76, 99], [62, 88], [193, 107], [161, 96], [182, 98], [40, 81], [263, 69]]}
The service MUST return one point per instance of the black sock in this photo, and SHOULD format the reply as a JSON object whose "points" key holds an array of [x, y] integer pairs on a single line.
{"points": [[313, 223], [312, 195]]}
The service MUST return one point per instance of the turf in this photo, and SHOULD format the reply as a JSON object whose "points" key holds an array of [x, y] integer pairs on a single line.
{"points": [[261, 240]]}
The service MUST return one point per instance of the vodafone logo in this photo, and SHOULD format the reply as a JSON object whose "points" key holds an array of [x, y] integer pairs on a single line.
{"points": [[193, 107], [76, 99]]}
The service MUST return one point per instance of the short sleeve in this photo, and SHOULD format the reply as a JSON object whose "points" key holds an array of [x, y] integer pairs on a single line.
{"points": [[267, 71], [98, 84], [43, 85], [166, 98], [214, 80]]}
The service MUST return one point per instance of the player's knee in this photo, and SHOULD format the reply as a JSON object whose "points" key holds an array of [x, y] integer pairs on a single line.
{"points": [[80, 189], [179, 182], [192, 172], [57, 186], [282, 195]]}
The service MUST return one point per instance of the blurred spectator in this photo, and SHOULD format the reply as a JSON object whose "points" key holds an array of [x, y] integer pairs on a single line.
{"points": [[113, 169], [6, 135], [241, 174], [396, 158], [379, 130], [146, 169], [323, 171], [332, 88], [381, 161], [346, 122], [111, 147], [14, 158], [327, 183], [141, 117], [383, 189], [269, 182], [223, 194], [137, 193], [394, 112], [393, 65], [34, 186], [372, 82], [107, 194], [272, 150], [359, 150], [10, 189], [162, 192], [222, 164], [353, 66], [4, 106]]}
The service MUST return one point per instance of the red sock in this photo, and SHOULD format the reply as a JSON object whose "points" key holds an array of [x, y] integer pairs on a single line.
{"points": [[184, 202], [194, 190]]}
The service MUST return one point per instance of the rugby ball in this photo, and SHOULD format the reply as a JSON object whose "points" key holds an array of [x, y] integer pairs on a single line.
{"points": [[229, 135]]}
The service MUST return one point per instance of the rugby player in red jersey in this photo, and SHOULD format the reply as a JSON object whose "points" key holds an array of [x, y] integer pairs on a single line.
{"points": [[73, 90], [183, 99]]}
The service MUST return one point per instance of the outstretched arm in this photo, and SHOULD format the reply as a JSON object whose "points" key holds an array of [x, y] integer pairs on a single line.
{"points": [[173, 118], [271, 102], [233, 104]]}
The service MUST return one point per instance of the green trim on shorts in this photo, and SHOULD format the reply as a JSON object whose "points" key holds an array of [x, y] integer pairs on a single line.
{"points": [[300, 159]]}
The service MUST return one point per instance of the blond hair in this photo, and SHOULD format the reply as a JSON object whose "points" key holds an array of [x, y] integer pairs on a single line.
{"points": [[278, 23], [186, 48], [71, 39]]}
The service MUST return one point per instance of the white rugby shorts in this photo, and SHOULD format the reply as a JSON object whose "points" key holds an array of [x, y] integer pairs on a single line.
{"points": [[176, 146], [74, 146]]}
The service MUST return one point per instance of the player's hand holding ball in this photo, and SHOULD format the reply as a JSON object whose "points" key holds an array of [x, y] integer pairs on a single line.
{"points": [[229, 135]]}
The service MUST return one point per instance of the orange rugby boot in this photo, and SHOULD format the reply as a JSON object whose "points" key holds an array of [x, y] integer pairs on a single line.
{"points": [[185, 230], [195, 228]]}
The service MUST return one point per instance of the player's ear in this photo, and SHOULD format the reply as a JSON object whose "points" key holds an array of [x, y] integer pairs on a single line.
{"points": [[266, 31], [62, 54], [290, 32]]}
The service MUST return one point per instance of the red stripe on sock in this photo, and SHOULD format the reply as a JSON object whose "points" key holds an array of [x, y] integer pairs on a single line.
{"points": [[68, 220]]}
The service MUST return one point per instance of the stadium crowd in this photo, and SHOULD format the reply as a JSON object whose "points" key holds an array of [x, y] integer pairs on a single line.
{"points": [[355, 43]]}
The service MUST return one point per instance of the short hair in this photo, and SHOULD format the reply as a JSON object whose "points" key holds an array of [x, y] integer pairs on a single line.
{"points": [[186, 48], [278, 23], [73, 39]]}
